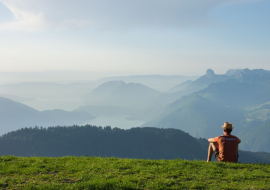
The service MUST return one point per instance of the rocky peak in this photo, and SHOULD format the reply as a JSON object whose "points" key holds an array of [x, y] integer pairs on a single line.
{"points": [[210, 73]]}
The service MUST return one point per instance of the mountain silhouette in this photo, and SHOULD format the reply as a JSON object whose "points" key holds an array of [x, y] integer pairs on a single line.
{"points": [[15, 115], [119, 93]]}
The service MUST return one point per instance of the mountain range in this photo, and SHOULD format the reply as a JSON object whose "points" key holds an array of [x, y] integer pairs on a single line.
{"points": [[160, 83], [198, 107], [233, 97], [15, 115], [119, 93]]}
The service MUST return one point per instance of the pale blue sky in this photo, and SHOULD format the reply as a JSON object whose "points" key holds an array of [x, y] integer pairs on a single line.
{"points": [[183, 37]]}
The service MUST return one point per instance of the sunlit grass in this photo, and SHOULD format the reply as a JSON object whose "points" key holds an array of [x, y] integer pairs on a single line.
{"points": [[115, 173]]}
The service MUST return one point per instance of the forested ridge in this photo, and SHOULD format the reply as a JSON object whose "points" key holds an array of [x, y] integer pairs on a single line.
{"points": [[88, 140]]}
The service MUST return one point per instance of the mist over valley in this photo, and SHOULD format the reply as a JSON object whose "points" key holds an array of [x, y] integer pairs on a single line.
{"points": [[198, 107]]}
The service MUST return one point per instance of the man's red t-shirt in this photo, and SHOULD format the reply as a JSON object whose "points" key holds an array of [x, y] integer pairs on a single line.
{"points": [[228, 148]]}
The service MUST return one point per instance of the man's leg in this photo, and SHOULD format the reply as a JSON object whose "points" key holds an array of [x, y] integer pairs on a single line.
{"points": [[211, 149]]}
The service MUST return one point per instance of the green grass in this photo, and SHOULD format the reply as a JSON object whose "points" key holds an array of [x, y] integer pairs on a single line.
{"points": [[115, 173]]}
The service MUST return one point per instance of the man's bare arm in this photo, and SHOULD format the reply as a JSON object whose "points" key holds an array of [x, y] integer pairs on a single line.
{"points": [[211, 140]]}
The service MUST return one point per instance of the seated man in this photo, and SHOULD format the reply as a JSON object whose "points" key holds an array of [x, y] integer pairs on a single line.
{"points": [[225, 147]]}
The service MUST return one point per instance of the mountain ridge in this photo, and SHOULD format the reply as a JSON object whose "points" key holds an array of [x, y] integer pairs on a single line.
{"points": [[15, 115], [119, 93]]}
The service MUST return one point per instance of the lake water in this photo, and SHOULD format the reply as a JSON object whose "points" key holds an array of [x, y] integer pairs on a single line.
{"points": [[115, 121], [119, 121]]}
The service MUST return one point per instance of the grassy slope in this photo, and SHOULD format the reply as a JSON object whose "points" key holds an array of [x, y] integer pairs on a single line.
{"points": [[115, 173]]}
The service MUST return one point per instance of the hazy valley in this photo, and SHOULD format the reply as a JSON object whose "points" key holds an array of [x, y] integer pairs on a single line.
{"points": [[196, 105]]}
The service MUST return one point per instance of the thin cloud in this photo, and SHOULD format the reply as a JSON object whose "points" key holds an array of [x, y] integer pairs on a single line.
{"points": [[23, 19], [36, 15]]}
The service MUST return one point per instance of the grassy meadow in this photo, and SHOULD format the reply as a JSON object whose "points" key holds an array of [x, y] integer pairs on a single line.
{"points": [[115, 173]]}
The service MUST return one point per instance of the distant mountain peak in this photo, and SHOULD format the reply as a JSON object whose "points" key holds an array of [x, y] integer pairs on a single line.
{"points": [[119, 93], [249, 76], [120, 82], [210, 73], [232, 72]]}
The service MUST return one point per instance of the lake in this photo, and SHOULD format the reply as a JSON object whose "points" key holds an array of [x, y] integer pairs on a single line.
{"points": [[115, 121]]}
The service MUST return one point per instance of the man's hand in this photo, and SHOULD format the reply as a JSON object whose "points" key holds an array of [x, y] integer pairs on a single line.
{"points": [[211, 140]]}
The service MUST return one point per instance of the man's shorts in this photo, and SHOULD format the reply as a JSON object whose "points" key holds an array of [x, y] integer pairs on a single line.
{"points": [[216, 152]]}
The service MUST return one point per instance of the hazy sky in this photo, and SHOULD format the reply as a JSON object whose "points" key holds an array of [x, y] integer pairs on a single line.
{"points": [[134, 36]]}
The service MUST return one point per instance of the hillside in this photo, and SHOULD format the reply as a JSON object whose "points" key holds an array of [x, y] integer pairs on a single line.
{"points": [[190, 87], [195, 115], [119, 93], [114, 173], [256, 137], [255, 76], [233, 93], [145, 103], [180, 86], [204, 81], [14, 115], [243, 76], [143, 143], [201, 117], [241, 97]]}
